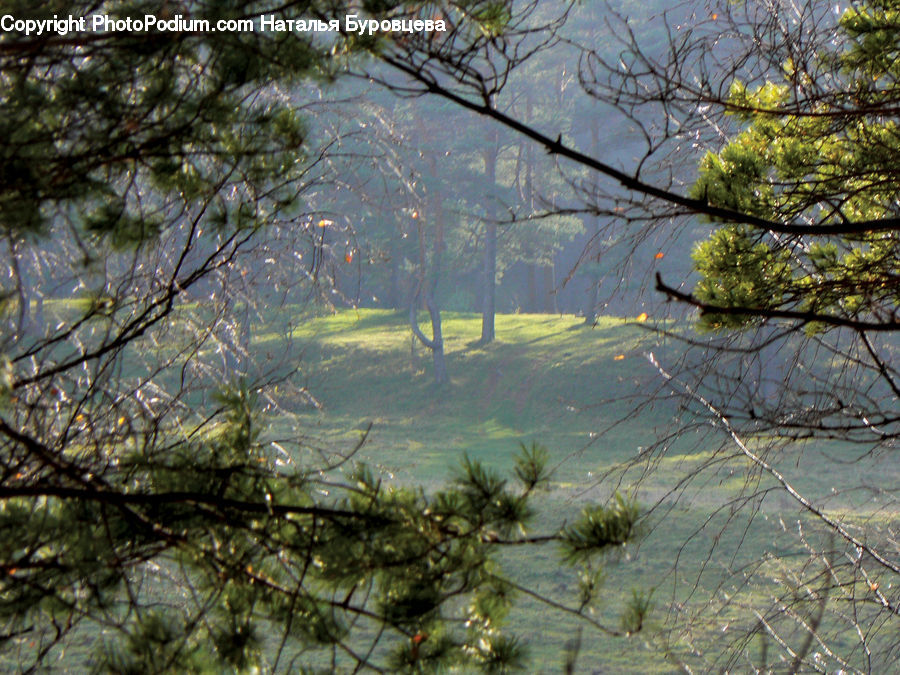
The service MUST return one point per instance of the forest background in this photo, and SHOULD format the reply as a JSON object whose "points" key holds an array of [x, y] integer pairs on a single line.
{"points": [[264, 290]]}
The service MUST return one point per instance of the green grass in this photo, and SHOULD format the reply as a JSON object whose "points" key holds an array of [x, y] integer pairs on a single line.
{"points": [[542, 380], [531, 384], [537, 382], [552, 380]]}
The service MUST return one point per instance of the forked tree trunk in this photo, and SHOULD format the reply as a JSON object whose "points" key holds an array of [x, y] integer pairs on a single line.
{"points": [[593, 227], [436, 343], [426, 289]]}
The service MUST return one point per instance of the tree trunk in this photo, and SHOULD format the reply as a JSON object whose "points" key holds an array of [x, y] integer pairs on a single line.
{"points": [[489, 290], [395, 296], [593, 300], [535, 301], [437, 353], [550, 305], [488, 310], [244, 338], [436, 343], [30, 300], [236, 343], [426, 288], [531, 272], [592, 225]]}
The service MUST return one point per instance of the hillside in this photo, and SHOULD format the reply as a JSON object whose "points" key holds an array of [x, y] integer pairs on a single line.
{"points": [[543, 380], [578, 391], [547, 379]]}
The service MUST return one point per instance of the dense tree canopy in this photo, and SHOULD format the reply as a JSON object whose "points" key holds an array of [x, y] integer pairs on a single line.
{"points": [[835, 162]]}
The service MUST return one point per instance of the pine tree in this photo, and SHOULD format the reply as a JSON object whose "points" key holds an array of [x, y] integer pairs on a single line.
{"points": [[832, 163], [796, 291], [138, 514]]}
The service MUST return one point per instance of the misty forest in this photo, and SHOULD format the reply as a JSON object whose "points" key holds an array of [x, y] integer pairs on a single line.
{"points": [[454, 336]]}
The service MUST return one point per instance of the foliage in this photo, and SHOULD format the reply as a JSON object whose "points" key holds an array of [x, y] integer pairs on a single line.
{"points": [[636, 611], [135, 503], [129, 107], [602, 527], [820, 164], [789, 110], [193, 553], [738, 273]]}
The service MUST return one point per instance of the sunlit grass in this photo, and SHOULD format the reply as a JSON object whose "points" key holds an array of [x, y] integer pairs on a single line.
{"points": [[531, 384], [552, 380], [540, 381]]}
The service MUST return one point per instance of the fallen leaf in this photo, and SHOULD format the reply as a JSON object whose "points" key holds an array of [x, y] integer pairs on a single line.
{"points": [[643, 316], [619, 357]]}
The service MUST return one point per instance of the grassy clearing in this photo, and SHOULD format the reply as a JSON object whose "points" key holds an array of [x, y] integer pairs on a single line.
{"points": [[551, 380], [532, 384], [538, 382], [554, 381]]}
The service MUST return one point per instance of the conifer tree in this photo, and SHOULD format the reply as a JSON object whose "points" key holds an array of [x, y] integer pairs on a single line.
{"points": [[145, 525], [789, 109]]}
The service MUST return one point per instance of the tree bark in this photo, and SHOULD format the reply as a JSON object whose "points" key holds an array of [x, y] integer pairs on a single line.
{"points": [[592, 225], [426, 289], [30, 300], [436, 343], [550, 305], [489, 290], [395, 297]]}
